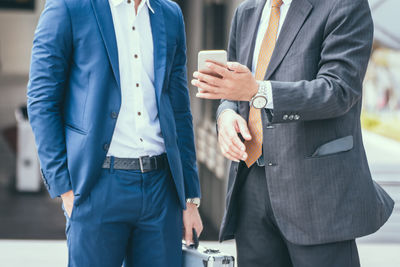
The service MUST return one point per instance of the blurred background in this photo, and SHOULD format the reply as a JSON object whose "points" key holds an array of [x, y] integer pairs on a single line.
{"points": [[32, 225]]}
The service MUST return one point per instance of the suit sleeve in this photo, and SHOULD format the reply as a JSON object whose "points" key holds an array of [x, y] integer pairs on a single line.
{"points": [[228, 104], [179, 95], [344, 58], [51, 52]]}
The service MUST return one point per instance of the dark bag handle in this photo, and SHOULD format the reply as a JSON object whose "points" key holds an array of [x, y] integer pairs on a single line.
{"points": [[195, 239]]}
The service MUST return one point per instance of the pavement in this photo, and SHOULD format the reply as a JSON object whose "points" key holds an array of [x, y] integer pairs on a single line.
{"points": [[30, 253]]}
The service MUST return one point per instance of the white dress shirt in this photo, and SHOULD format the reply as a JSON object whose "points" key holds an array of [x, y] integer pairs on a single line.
{"points": [[262, 29], [137, 132]]}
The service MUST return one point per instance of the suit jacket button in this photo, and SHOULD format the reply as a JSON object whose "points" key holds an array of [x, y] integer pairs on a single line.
{"points": [[114, 115], [285, 117], [106, 147], [296, 117], [291, 117]]}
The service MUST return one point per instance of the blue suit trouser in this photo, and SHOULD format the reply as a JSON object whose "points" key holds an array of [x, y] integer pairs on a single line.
{"points": [[129, 218]]}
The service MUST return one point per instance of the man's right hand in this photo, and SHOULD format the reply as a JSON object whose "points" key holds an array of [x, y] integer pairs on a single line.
{"points": [[229, 125], [68, 201]]}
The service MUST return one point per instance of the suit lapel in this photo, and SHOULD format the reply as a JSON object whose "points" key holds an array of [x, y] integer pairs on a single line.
{"points": [[104, 20], [251, 17], [160, 46], [297, 14]]}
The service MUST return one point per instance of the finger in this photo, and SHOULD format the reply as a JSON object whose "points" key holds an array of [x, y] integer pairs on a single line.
{"points": [[228, 154], [243, 129], [209, 95], [225, 151], [223, 71], [239, 145], [230, 157], [235, 147], [205, 87], [209, 79], [188, 236], [237, 67], [232, 143], [231, 137], [217, 63]]}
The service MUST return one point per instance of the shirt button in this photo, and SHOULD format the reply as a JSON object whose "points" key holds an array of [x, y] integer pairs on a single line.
{"points": [[139, 113], [114, 115], [141, 140], [285, 117], [133, 28], [129, 1], [136, 56], [271, 164], [137, 85], [291, 117], [106, 147]]}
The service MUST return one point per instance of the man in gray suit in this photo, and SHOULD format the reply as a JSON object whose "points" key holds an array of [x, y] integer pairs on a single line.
{"points": [[300, 190]]}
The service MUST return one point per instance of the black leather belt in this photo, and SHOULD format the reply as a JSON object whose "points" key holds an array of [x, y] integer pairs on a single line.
{"points": [[144, 164]]}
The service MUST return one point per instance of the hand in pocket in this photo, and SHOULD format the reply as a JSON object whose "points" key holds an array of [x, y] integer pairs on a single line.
{"points": [[68, 201]]}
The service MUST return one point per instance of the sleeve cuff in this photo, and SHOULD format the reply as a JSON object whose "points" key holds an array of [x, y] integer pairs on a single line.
{"points": [[270, 104], [57, 186]]}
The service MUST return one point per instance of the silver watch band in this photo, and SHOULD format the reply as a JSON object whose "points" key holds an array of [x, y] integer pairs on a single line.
{"points": [[261, 93], [195, 201], [262, 88]]}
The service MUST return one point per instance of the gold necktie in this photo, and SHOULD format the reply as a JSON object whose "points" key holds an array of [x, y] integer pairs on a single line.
{"points": [[254, 146]]}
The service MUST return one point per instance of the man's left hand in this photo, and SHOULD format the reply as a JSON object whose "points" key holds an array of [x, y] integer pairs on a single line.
{"points": [[236, 82], [191, 220]]}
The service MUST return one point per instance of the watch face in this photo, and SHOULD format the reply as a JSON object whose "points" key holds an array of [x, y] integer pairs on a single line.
{"points": [[259, 102]]}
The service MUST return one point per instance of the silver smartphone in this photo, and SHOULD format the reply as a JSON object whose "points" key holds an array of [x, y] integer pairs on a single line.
{"points": [[216, 56]]}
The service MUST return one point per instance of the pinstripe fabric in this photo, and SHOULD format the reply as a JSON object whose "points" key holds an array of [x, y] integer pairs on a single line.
{"points": [[316, 71], [254, 146]]}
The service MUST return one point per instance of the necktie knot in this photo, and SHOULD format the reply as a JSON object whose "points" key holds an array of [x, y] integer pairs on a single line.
{"points": [[277, 3]]}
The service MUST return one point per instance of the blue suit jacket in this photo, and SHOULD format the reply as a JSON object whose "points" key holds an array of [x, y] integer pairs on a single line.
{"points": [[74, 88]]}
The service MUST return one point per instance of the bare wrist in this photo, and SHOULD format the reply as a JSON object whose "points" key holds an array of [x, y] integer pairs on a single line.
{"points": [[253, 90], [224, 111]]}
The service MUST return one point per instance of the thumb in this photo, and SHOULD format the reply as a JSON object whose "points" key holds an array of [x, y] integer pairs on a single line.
{"points": [[243, 129], [237, 67]]}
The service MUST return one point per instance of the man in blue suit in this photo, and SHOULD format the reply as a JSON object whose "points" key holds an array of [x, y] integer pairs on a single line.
{"points": [[109, 105]]}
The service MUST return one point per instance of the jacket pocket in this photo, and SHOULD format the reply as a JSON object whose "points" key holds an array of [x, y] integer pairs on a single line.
{"points": [[333, 147]]}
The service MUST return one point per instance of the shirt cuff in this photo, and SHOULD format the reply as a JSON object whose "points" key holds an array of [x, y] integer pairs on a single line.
{"points": [[270, 104]]}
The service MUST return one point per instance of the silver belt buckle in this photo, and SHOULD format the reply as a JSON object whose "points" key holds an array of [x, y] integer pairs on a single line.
{"points": [[141, 164]]}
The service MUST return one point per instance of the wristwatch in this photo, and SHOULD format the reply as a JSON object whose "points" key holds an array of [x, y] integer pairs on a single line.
{"points": [[260, 100], [195, 201]]}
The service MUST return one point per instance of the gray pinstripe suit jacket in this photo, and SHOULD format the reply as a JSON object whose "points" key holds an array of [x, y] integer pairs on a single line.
{"points": [[317, 172]]}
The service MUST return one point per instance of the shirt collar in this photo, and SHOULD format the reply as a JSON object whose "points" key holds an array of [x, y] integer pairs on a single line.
{"points": [[147, 2]]}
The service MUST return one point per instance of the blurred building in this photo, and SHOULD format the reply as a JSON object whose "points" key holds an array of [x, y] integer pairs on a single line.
{"points": [[207, 27]]}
